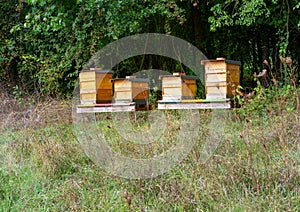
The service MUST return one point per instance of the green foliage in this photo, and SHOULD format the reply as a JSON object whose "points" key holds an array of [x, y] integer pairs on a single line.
{"points": [[45, 43], [53, 39], [272, 100]]}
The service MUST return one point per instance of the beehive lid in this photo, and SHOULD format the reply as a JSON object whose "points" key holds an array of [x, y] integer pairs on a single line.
{"points": [[98, 70], [221, 59]]}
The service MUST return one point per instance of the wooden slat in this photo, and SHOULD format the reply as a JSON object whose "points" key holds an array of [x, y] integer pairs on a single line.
{"points": [[167, 97], [87, 76], [172, 92], [107, 104], [88, 85], [216, 77], [115, 108], [204, 100], [104, 95], [220, 89], [171, 80], [233, 76], [123, 95], [88, 96], [215, 96], [91, 91], [186, 106], [233, 67], [215, 65], [215, 71], [188, 91], [138, 94], [215, 84]]}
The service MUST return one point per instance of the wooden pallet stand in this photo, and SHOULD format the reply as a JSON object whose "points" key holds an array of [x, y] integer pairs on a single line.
{"points": [[194, 104], [106, 108]]}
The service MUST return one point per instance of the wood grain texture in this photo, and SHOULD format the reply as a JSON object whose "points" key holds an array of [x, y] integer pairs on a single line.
{"points": [[220, 75], [200, 105], [108, 109], [178, 87], [95, 86]]}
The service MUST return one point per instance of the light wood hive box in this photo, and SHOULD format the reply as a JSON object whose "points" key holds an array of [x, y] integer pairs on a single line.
{"points": [[95, 86], [131, 89], [222, 77], [178, 86]]}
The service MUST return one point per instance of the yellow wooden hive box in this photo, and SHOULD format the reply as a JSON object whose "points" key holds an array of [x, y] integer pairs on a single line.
{"points": [[222, 77], [131, 89], [95, 86], [178, 87]]}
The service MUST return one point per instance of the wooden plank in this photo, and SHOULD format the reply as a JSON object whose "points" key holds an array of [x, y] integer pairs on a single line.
{"points": [[211, 65], [108, 109], [215, 96], [86, 102], [140, 90], [123, 95], [87, 76], [233, 67], [172, 85], [171, 92], [189, 90], [107, 104], [201, 105], [88, 85], [171, 80], [104, 95], [193, 101], [216, 77], [88, 96], [90, 91], [204, 100], [218, 90], [233, 76], [104, 83], [189, 81], [215, 84], [138, 94], [167, 98], [215, 71]]}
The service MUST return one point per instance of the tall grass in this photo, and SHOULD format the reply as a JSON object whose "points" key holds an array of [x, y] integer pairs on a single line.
{"points": [[255, 167]]}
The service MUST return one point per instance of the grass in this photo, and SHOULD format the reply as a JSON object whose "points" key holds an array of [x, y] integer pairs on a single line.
{"points": [[255, 167]]}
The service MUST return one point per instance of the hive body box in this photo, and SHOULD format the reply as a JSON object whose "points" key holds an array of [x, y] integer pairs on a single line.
{"points": [[95, 87], [178, 87], [221, 77], [131, 90]]}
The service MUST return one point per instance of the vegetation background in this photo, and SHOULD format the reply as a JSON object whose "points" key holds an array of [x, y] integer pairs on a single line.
{"points": [[45, 43]]}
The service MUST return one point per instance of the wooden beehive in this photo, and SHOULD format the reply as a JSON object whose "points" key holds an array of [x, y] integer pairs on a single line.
{"points": [[95, 86], [178, 87], [131, 89], [221, 77]]}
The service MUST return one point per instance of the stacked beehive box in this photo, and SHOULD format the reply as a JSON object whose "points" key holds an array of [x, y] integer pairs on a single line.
{"points": [[178, 87], [95, 86], [221, 77], [131, 89]]}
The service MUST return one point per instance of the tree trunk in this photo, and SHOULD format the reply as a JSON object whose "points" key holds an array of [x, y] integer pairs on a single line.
{"points": [[197, 26]]}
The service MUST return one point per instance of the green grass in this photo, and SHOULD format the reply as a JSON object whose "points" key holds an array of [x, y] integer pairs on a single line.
{"points": [[255, 168]]}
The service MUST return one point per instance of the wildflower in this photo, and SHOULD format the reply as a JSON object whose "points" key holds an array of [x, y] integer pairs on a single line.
{"points": [[282, 59], [288, 61]]}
